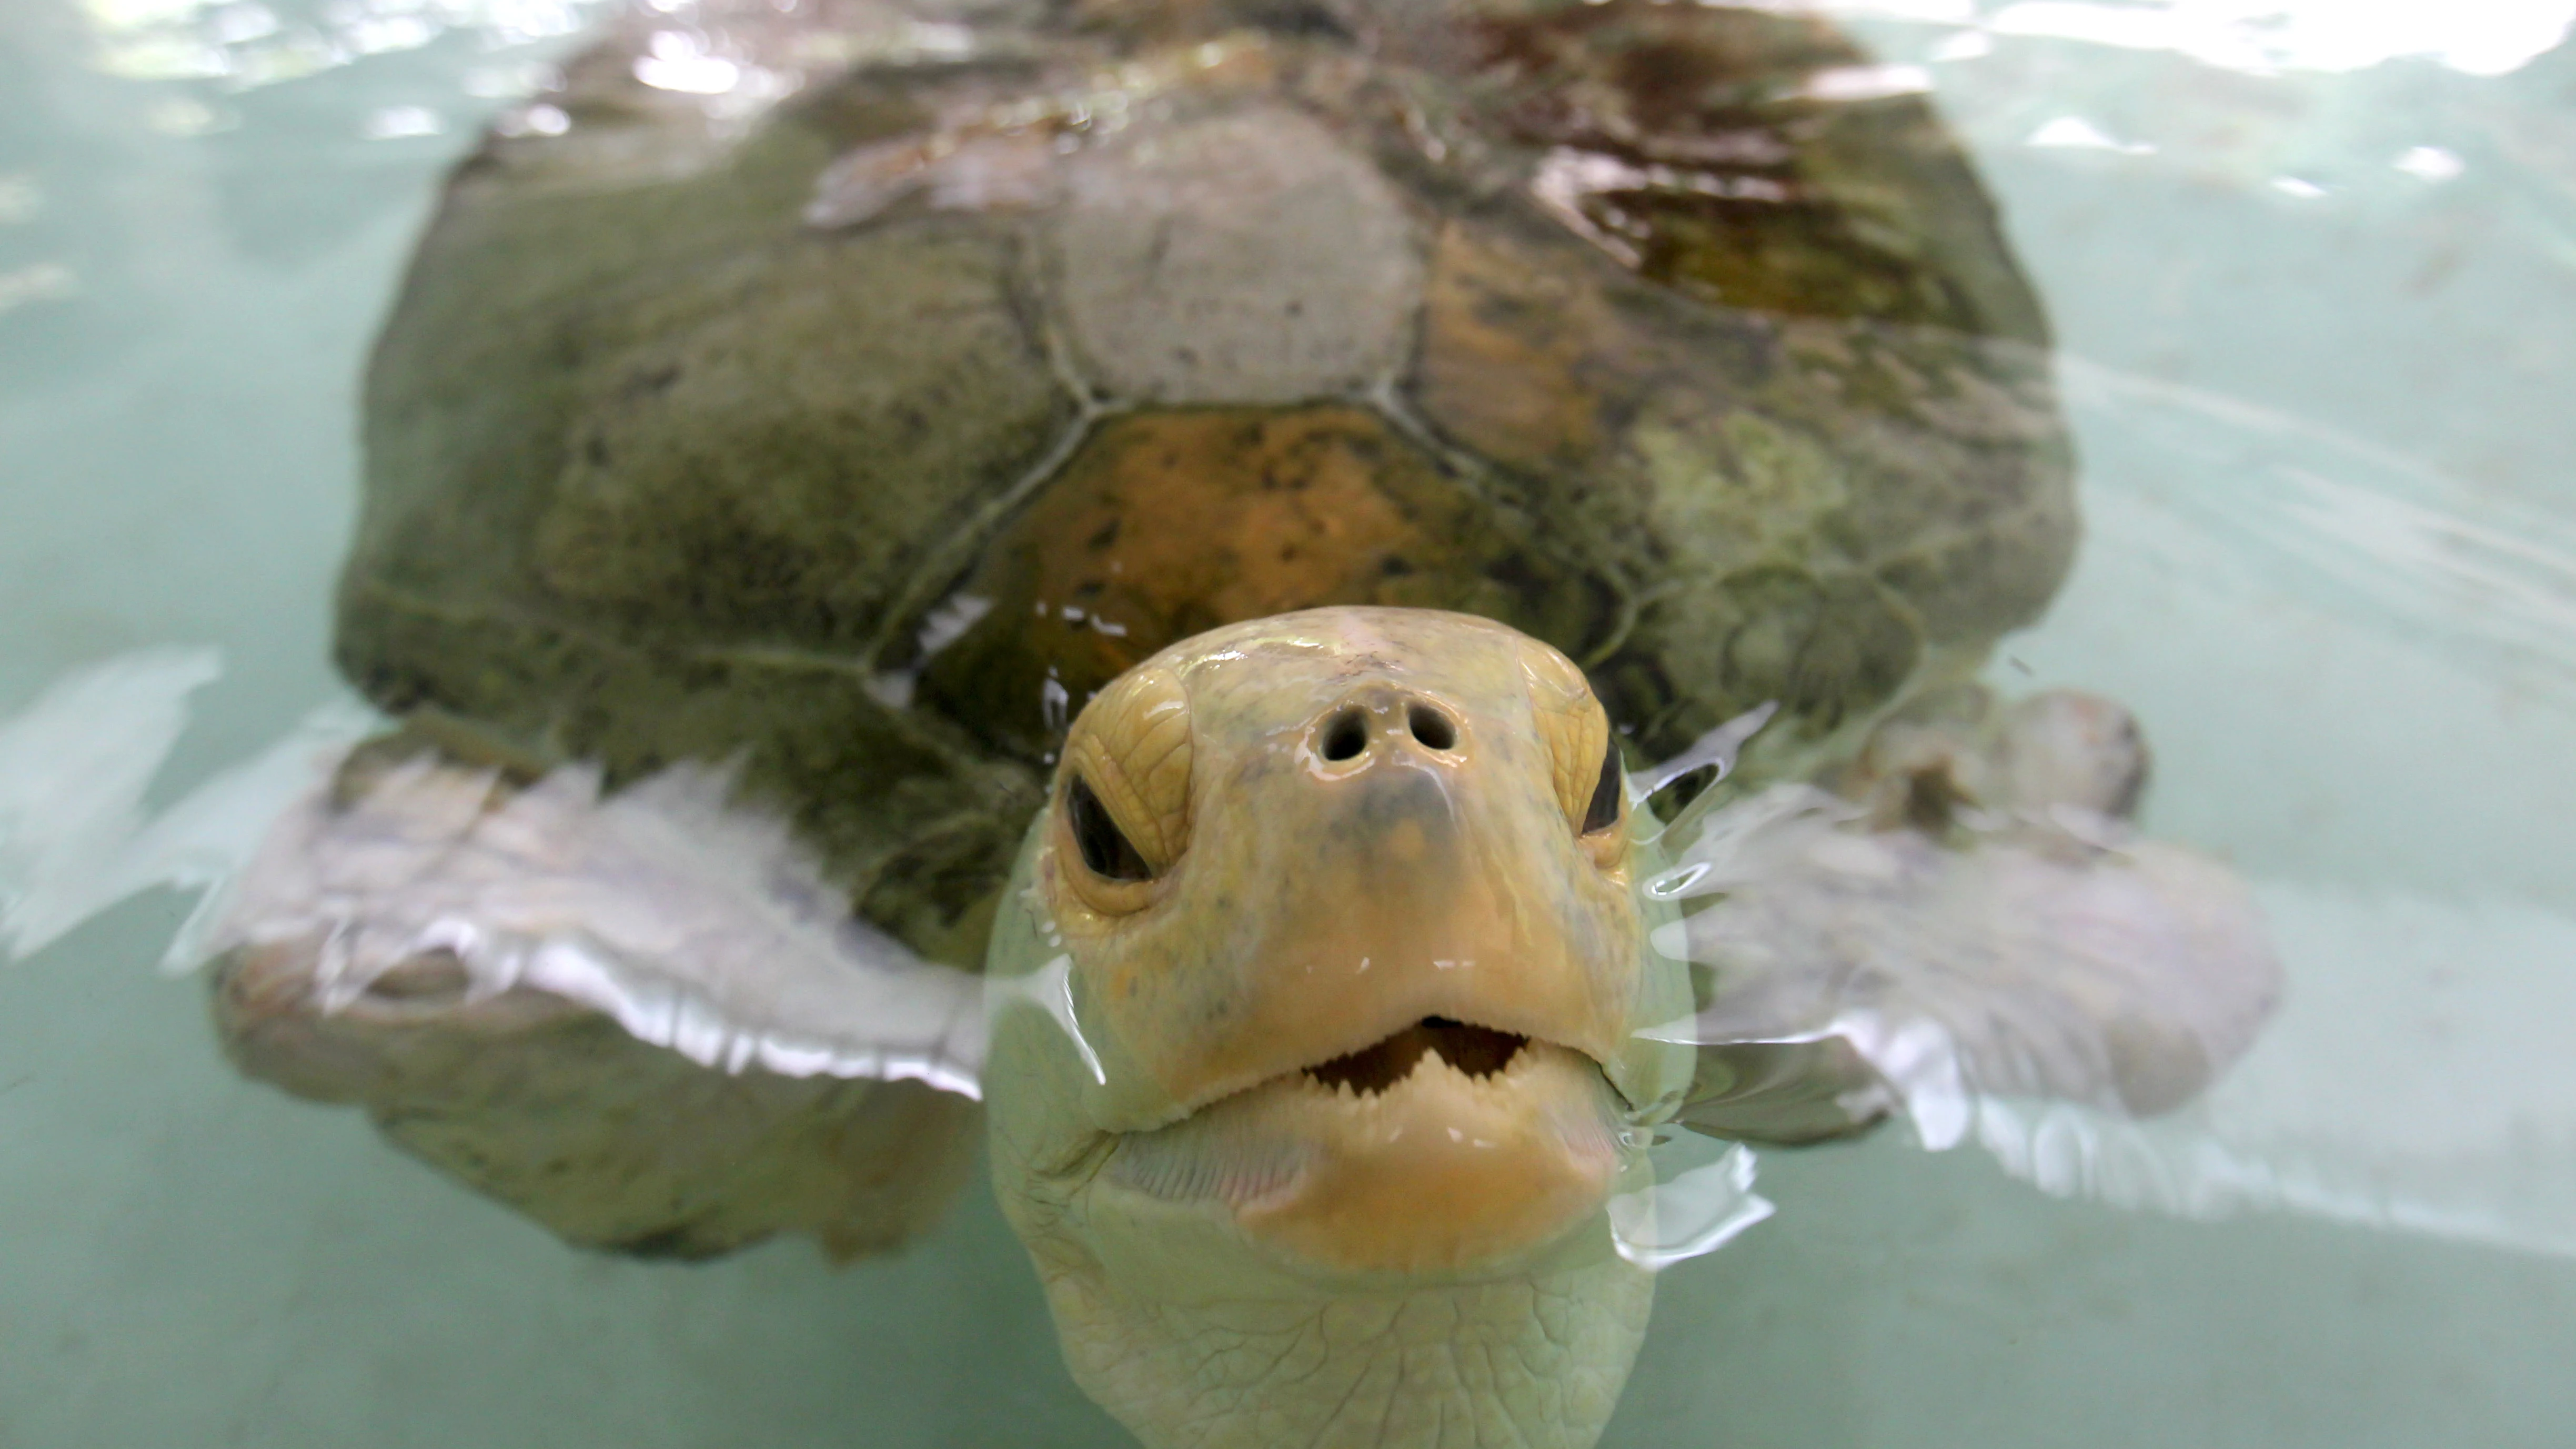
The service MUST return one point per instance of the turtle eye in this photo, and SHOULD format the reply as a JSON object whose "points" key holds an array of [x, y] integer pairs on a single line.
{"points": [[1604, 810], [1105, 848]]}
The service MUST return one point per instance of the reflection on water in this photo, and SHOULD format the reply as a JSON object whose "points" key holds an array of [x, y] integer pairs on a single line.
{"points": [[74, 769], [2374, 530], [2263, 37], [1701, 1198], [245, 44]]}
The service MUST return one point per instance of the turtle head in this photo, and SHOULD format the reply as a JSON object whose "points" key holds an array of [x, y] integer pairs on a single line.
{"points": [[1337, 913]]}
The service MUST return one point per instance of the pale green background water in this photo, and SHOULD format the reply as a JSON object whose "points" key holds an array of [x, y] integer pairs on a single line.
{"points": [[2325, 405]]}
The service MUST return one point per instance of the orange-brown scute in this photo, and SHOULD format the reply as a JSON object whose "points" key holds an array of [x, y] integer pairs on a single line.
{"points": [[1168, 523], [1520, 357]]}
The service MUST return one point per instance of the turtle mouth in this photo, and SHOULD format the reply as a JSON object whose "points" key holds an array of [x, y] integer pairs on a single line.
{"points": [[1475, 1051], [1441, 1146]]}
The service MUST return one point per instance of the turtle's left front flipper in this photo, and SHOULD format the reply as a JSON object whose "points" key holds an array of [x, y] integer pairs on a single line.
{"points": [[1970, 921], [639, 1018]]}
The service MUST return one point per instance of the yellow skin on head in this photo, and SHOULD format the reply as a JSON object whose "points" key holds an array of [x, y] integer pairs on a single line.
{"points": [[1362, 988]]}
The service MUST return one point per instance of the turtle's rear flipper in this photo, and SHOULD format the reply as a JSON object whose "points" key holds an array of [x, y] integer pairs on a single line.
{"points": [[641, 1019]]}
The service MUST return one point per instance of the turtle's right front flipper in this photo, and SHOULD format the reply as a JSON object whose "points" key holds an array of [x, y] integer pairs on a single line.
{"points": [[641, 1019], [1971, 918]]}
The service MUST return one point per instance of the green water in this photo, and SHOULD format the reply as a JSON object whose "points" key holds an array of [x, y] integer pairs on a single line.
{"points": [[2318, 302]]}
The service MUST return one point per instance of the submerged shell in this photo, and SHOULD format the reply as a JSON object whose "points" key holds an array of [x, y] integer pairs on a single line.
{"points": [[863, 415]]}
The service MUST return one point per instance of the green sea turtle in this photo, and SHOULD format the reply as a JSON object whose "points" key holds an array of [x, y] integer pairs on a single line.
{"points": [[1170, 524]]}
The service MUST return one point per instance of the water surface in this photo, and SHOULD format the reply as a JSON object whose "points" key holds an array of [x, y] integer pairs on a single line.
{"points": [[2315, 283]]}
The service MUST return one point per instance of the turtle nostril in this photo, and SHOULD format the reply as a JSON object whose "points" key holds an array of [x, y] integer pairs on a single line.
{"points": [[1431, 727], [1346, 736]]}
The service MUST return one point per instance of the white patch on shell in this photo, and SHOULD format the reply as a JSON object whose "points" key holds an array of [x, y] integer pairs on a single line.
{"points": [[1246, 258]]}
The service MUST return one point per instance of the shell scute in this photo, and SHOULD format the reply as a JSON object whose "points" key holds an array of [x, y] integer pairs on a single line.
{"points": [[772, 465], [1168, 523]]}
